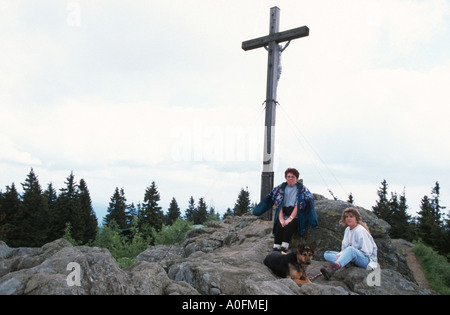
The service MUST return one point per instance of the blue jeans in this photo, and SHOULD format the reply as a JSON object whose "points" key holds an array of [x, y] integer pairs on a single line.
{"points": [[350, 254]]}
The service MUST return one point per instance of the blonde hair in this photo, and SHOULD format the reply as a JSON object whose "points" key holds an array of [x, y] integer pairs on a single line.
{"points": [[356, 214]]}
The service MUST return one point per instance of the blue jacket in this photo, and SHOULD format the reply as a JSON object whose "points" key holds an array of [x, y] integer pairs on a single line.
{"points": [[306, 212]]}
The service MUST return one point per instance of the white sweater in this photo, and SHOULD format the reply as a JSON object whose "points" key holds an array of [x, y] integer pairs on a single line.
{"points": [[360, 239]]}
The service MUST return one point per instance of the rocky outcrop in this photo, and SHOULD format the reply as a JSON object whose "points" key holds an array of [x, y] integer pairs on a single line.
{"points": [[228, 258], [220, 258], [45, 271]]}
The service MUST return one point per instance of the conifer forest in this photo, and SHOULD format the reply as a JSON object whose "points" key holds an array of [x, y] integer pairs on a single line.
{"points": [[38, 216]]}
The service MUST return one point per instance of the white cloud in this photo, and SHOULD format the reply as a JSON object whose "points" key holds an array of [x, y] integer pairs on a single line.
{"points": [[406, 24], [11, 154]]}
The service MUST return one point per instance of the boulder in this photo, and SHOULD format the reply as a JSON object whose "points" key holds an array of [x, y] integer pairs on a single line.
{"points": [[240, 245], [46, 270], [354, 280]]}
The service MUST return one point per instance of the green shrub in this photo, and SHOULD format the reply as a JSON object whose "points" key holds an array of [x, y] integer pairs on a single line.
{"points": [[435, 267], [121, 248], [125, 248], [172, 234], [68, 235]]}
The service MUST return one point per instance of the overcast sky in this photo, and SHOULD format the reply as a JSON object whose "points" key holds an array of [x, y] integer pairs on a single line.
{"points": [[124, 93]]}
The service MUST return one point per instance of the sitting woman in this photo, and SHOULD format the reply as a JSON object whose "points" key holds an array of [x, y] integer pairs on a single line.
{"points": [[358, 245]]}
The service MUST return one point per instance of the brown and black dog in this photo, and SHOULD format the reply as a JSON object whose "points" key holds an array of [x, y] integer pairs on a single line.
{"points": [[292, 265]]}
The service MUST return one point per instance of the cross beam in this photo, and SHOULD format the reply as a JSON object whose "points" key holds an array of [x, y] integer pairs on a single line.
{"points": [[272, 42], [285, 36]]}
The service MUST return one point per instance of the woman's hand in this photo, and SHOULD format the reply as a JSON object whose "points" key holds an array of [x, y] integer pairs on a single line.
{"points": [[286, 222]]}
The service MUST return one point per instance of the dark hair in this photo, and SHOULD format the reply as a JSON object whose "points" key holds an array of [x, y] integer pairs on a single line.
{"points": [[293, 171]]}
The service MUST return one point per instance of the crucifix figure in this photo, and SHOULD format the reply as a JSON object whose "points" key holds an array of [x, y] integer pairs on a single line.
{"points": [[272, 42]]}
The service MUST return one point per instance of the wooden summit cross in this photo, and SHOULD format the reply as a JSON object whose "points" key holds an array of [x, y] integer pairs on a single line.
{"points": [[271, 42]]}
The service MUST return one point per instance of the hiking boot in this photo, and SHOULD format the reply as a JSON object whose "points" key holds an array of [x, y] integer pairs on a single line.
{"points": [[330, 270]]}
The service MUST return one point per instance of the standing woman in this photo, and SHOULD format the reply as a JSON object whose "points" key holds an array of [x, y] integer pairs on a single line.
{"points": [[295, 210], [358, 245]]}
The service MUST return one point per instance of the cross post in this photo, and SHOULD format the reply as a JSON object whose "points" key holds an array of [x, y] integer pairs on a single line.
{"points": [[272, 43]]}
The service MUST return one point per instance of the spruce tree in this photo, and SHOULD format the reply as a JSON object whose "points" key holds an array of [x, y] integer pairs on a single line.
{"points": [[439, 233], [89, 218], [67, 210], [430, 225], [394, 212], [381, 208], [151, 215], [201, 212], [51, 195], [52, 201], [34, 214], [436, 204], [426, 222], [393, 206], [117, 210], [399, 218], [189, 212], [242, 205], [404, 220], [173, 213], [131, 214], [10, 211]]}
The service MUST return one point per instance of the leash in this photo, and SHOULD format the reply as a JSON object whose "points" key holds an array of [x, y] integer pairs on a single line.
{"points": [[314, 277]]}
